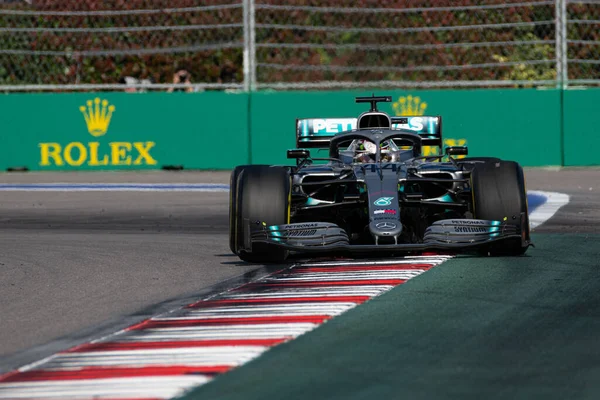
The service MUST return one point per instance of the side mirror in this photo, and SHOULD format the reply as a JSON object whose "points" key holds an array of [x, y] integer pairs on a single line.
{"points": [[457, 151], [298, 153]]}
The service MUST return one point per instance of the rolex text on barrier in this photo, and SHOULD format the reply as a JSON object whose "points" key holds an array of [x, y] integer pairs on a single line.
{"points": [[124, 131], [97, 114], [76, 154]]}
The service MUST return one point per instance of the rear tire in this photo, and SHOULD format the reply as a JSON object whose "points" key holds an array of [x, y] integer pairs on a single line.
{"points": [[499, 194], [262, 195]]}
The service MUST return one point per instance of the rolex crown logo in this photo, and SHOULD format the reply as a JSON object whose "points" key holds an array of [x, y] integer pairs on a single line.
{"points": [[409, 106], [97, 116]]}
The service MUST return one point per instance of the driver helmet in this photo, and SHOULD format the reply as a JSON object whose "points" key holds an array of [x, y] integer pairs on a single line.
{"points": [[365, 151]]}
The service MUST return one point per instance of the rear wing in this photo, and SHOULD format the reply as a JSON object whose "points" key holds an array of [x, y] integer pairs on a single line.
{"points": [[317, 132]]}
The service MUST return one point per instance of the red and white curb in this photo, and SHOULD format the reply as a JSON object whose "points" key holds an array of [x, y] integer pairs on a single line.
{"points": [[168, 355]]}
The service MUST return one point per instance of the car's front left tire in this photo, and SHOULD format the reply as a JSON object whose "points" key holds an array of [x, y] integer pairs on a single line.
{"points": [[499, 194]]}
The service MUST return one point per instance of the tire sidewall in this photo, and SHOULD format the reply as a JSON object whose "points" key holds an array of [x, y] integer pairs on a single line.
{"points": [[262, 197], [498, 190]]}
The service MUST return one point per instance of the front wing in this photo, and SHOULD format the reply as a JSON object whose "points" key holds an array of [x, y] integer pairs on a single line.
{"points": [[459, 235]]}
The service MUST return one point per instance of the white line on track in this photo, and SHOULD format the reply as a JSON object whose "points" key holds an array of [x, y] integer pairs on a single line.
{"points": [[547, 210], [249, 331], [308, 309], [144, 387], [189, 356], [347, 276], [432, 260], [114, 187], [366, 290], [243, 310], [537, 217]]}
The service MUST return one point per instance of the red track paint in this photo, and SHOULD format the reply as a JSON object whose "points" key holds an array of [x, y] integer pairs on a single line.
{"points": [[173, 344], [177, 323], [111, 372], [280, 300], [372, 282], [396, 267]]}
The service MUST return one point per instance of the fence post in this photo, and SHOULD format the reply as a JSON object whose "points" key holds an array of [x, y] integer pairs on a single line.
{"points": [[246, 50], [252, 22], [562, 77], [249, 46]]}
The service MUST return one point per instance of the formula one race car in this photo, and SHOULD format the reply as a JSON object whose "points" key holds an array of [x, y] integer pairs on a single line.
{"points": [[377, 193]]}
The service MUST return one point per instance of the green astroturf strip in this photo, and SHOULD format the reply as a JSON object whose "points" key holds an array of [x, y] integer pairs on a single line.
{"points": [[476, 328]]}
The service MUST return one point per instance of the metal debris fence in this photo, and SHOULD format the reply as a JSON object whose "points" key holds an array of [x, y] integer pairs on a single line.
{"points": [[247, 45]]}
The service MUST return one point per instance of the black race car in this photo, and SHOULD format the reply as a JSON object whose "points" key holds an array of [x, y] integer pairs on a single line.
{"points": [[377, 193]]}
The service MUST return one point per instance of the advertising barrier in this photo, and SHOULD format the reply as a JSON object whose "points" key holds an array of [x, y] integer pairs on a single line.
{"points": [[217, 130], [521, 125], [581, 130], [98, 131]]}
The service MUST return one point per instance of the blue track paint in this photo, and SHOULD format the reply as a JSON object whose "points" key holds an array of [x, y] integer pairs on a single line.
{"points": [[535, 200], [202, 187]]}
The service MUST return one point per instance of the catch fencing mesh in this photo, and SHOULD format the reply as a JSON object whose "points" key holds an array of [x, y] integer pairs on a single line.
{"points": [[405, 43], [133, 42], [297, 44], [582, 19]]}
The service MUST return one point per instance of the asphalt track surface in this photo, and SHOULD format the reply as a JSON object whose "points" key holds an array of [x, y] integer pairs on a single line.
{"points": [[73, 261], [73, 264]]}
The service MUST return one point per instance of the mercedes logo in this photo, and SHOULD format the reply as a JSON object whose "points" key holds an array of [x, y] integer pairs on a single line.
{"points": [[386, 226]]}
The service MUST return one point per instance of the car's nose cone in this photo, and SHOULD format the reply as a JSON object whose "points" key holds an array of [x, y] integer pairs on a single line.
{"points": [[385, 227]]}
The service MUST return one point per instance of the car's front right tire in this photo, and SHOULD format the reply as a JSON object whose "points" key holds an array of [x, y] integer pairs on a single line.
{"points": [[261, 197]]}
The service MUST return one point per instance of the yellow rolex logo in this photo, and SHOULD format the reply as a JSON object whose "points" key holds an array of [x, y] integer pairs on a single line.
{"points": [[97, 116], [456, 142], [409, 106]]}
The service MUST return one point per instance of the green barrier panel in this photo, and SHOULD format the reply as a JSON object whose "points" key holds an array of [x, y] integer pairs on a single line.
{"points": [[209, 130], [95, 131], [513, 124], [581, 131]]}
